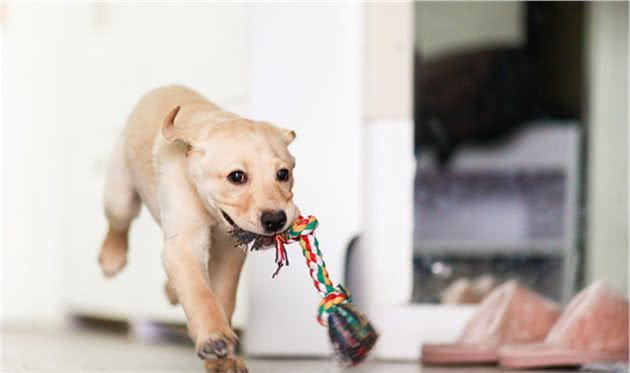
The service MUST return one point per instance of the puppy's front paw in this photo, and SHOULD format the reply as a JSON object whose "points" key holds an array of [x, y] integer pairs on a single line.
{"points": [[217, 346], [113, 255], [230, 364]]}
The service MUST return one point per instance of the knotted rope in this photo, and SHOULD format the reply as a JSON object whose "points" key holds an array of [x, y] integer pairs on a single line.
{"points": [[302, 231], [351, 334]]}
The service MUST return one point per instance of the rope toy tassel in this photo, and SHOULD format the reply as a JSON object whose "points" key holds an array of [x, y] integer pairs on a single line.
{"points": [[351, 334]]}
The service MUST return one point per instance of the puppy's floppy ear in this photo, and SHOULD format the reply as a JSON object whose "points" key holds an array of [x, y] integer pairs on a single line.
{"points": [[189, 123], [169, 131], [178, 125], [287, 135]]}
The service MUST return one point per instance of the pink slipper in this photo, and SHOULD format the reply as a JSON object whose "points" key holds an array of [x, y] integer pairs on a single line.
{"points": [[509, 314], [592, 329]]}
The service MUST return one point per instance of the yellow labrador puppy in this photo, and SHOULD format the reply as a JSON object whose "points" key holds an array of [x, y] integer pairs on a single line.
{"points": [[211, 180]]}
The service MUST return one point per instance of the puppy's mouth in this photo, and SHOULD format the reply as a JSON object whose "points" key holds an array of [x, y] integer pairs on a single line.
{"points": [[246, 240], [228, 219]]}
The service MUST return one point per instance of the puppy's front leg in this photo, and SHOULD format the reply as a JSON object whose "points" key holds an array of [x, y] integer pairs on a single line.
{"points": [[224, 269], [185, 268]]}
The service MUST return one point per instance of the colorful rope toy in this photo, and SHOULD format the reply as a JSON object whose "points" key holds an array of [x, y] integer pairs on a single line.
{"points": [[351, 334]]}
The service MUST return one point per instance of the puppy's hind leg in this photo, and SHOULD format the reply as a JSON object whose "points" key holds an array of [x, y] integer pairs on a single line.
{"points": [[122, 205]]}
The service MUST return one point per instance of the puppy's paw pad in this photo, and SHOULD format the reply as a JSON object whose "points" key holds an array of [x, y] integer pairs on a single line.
{"points": [[230, 364], [217, 346]]}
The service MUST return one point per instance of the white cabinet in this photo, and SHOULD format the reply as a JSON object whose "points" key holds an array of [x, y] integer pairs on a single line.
{"points": [[307, 77]]}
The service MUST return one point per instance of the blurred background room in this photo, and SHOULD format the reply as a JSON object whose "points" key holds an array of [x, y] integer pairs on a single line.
{"points": [[446, 148]]}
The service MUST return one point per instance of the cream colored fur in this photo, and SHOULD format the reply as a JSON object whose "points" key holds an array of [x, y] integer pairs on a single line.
{"points": [[175, 155]]}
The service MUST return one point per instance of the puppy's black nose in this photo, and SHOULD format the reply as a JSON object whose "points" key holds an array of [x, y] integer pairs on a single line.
{"points": [[272, 221]]}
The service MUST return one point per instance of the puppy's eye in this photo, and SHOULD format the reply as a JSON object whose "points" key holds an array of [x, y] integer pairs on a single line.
{"points": [[283, 175], [237, 177]]}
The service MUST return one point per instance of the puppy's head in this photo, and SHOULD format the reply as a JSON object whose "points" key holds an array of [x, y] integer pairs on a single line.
{"points": [[242, 169]]}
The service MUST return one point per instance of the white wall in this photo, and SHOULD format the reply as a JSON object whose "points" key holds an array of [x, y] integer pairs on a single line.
{"points": [[445, 26], [607, 198], [31, 155], [388, 61]]}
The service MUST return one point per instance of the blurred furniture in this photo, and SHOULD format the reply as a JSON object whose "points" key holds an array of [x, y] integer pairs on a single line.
{"points": [[517, 199]]}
